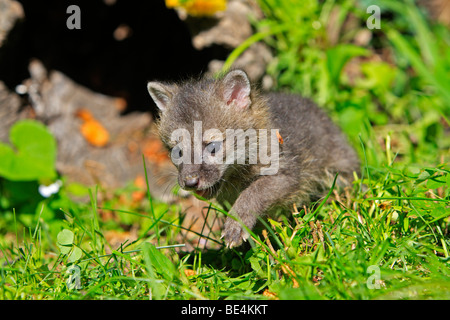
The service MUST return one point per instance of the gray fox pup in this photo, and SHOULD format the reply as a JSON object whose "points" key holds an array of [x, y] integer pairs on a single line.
{"points": [[253, 152]]}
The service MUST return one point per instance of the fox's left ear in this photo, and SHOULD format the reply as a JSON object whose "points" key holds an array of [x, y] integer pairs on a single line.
{"points": [[236, 89], [161, 94]]}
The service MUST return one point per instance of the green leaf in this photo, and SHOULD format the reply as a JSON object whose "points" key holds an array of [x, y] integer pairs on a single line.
{"points": [[378, 75], [6, 159], [423, 176], [439, 212], [351, 121], [65, 237], [35, 153], [338, 56], [256, 266], [77, 189], [435, 182], [160, 262], [156, 287], [306, 292], [64, 249], [75, 255], [426, 71]]}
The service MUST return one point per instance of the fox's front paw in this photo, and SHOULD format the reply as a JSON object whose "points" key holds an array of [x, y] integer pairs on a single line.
{"points": [[233, 233]]}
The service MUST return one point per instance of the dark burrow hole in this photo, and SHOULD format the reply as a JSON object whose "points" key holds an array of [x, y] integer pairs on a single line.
{"points": [[159, 47]]}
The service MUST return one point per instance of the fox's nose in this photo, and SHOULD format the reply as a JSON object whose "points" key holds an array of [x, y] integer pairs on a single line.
{"points": [[191, 181]]}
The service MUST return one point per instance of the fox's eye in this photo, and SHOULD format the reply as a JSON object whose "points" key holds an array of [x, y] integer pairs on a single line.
{"points": [[214, 147], [176, 153]]}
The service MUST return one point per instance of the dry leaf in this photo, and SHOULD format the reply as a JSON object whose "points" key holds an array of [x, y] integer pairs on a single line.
{"points": [[92, 130], [154, 151], [280, 138], [121, 104], [189, 272], [137, 196], [84, 115], [270, 295], [140, 182], [95, 133], [198, 7]]}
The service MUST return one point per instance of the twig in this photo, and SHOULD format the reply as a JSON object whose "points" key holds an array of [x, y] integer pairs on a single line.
{"points": [[320, 233], [284, 267], [314, 232]]}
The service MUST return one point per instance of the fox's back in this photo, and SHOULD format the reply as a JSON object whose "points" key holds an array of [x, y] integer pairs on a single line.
{"points": [[309, 134]]}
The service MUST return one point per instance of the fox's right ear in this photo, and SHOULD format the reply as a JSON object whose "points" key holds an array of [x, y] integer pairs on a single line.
{"points": [[237, 89], [161, 94]]}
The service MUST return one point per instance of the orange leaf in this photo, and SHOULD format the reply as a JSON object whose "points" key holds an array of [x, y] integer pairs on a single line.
{"points": [[269, 294], [140, 182], [280, 138], [154, 151], [91, 129], [95, 133], [189, 272], [137, 196], [199, 7], [84, 115]]}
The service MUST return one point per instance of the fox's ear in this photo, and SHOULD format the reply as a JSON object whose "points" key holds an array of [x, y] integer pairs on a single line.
{"points": [[236, 89], [161, 94]]}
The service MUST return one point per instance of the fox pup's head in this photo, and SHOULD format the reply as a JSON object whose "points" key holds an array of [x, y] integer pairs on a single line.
{"points": [[195, 118]]}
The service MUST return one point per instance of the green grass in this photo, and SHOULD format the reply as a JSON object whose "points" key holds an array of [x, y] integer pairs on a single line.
{"points": [[387, 237], [389, 240]]}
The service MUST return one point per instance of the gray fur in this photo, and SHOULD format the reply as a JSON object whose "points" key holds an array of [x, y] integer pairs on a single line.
{"points": [[313, 150]]}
